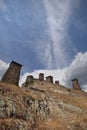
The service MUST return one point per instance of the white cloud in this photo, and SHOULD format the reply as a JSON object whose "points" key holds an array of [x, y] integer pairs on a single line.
{"points": [[58, 48], [3, 67], [77, 69]]}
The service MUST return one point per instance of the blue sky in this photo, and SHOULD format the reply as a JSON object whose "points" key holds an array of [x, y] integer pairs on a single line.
{"points": [[43, 34]]}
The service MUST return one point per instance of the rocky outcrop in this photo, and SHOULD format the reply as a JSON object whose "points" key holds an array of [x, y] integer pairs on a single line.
{"points": [[42, 108]]}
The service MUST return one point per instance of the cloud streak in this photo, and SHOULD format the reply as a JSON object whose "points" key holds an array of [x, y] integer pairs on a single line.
{"points": [[58, 48], [41, 28], [4, 9]]}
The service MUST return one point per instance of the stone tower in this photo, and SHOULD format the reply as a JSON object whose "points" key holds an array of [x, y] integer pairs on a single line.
{"points": [[57, 82], [49, 79], [12, 74], [75, 84], [29, 80], [41, 77]]}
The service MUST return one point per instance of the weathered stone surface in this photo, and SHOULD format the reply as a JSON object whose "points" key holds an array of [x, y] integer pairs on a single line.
{"points": [[12, 74]]}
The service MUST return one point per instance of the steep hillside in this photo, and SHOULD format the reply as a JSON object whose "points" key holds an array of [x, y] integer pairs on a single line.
{"points": [[42, 107]]}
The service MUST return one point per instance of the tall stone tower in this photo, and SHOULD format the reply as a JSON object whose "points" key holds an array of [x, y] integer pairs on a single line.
{"points": [[12, 74], [49, 79], [75, 84], [41, 77]]}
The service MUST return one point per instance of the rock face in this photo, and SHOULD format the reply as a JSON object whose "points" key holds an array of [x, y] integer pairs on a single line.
{"points": [[42, 107]]}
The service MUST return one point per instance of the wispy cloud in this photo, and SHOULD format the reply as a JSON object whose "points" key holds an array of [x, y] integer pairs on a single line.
{"points": [[58, 15], [4, 9], [77, 69], [43, 31]]}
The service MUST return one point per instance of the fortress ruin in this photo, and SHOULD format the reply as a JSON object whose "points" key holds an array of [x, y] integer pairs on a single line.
{"points": [[75, 84], [12, 74], [57, 82], [49, 79], [41, 77], [40, 80]]}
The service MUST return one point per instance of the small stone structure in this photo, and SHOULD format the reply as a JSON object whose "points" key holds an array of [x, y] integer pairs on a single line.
{"points": [[12, 74], [57, 82], [40, 81], [41, 77], [49, 79], [75, 84], [29, 79]]}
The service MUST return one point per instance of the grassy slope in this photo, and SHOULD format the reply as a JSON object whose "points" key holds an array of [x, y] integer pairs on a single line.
{"points": [[69, 111]]}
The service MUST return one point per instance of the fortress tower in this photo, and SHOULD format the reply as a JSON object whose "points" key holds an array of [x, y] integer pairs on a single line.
{"points": [[57, 82], [29, 79], [75, 84], [12, 74], [49, 79], [41, 77]]}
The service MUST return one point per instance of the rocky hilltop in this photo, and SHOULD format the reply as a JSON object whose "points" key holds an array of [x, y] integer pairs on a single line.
{"points": [[42, 106]]}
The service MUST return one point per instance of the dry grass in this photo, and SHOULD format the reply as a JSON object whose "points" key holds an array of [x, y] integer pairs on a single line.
{"points": [[72, 113]]}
